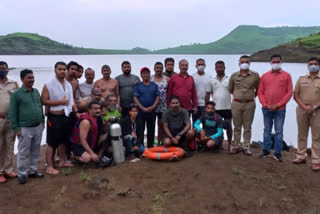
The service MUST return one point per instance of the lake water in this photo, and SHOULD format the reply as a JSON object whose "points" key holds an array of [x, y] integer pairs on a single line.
{"points": [[43, 71]]}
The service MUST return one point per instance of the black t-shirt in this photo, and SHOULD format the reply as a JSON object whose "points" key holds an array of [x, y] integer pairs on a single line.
{"points": [[176, 122]]}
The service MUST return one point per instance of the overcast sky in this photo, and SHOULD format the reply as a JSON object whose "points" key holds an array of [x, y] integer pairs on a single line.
{"points": [[152, 24]]}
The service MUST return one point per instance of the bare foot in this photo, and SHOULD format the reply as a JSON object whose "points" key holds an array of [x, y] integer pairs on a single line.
{"points": [[52, 171], [65, 164]]}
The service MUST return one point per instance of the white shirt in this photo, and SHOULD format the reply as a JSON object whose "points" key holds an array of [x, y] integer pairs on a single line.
{"points": [[202, 86], [85, 89], [220, 93]]}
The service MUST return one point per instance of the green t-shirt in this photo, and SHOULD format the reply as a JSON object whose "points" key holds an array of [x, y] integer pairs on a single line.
{"points": [[114, 113]]}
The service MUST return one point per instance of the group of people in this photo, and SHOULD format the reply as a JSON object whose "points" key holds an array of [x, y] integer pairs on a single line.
{"points": [[79, 116]]}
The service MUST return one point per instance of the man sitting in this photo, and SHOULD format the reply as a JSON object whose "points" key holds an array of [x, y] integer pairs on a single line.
{"points": [[86, 135], [112, 113], [176, 124], [211, 132]]}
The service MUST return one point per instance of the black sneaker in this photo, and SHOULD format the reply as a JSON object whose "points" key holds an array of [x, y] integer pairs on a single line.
{"points": [[264, 154], [22, 179], [187, 154], [278, 157], [35, 174]]}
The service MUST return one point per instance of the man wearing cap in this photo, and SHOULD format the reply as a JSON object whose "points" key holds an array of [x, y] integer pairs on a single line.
{"points": [[307, 96], [146, 96], [7, 135], [243, 85], [182, 85]]}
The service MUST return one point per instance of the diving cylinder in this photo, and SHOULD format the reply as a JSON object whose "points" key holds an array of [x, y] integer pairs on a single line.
{"points": [[117, 146]]}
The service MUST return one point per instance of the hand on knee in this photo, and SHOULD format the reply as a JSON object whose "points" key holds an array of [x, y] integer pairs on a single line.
{"points": [[211, 144], [85, 158]]}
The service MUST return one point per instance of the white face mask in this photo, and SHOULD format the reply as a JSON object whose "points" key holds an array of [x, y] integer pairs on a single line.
{"points": [[313, 68], [201, 68], [244, 66], [276, 66]]}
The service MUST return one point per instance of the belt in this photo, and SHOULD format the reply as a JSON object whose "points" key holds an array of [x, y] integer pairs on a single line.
{"points": [[33, 126], [243, 101]]}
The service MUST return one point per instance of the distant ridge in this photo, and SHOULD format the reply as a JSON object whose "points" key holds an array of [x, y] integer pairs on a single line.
{"points": [[245, 39]]}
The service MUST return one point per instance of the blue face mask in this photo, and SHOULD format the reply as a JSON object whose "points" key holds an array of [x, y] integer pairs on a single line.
{"points": [[3, 74]]}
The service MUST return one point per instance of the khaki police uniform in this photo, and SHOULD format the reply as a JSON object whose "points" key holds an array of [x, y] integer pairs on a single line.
{"points": [[7, 135], [243, 89], [308, 90]]}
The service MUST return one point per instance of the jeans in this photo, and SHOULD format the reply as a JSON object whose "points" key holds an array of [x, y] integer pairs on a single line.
{"points": [[128, 143], [150, 120], [276, 117], [199, 113], [29, 146]]}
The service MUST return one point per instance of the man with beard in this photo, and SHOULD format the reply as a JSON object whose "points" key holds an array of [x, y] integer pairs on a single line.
{"points": [[127, 82], [7, 135], [86, 87], [169, 66], [57, 95], [86, 135], [176, 125], [211, 132], [26, 118], [107, 84], [72, 79], [112, 112]]}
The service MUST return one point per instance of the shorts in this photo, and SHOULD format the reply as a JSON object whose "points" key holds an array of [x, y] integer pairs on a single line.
{"points": [[77, 149], [225, 114], [59, 129], [218, 141], [159, 115], [181, 141]]}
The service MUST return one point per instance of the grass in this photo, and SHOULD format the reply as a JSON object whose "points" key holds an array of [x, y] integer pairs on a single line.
{"points": [[160, 199], [84, 177]]}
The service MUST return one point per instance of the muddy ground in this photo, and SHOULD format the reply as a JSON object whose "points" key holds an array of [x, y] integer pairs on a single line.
{"points": [[204, 183]]}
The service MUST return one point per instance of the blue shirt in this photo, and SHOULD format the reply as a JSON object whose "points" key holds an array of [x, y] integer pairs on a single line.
{"points": [[146, 94]]}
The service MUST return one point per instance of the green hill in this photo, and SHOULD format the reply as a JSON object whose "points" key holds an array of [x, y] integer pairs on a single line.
{"points": [[299, 50], [245, 39], [34, 44]]}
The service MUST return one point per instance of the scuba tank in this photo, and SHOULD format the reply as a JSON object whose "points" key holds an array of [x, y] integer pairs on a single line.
{"points": [[116, 141]]}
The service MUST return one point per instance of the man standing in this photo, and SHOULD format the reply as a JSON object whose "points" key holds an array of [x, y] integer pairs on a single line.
{"points": [[146, 96], [182, 85], [275, 91], [79, 72], [176, 125], [7, 135], [72, 76], [86, 87], [57, 95], [201, 81], [307, 96], [107, 84], [218, 88], [127, 82], [169, 66], [243, 85], [162, 81], [26, 118]]}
